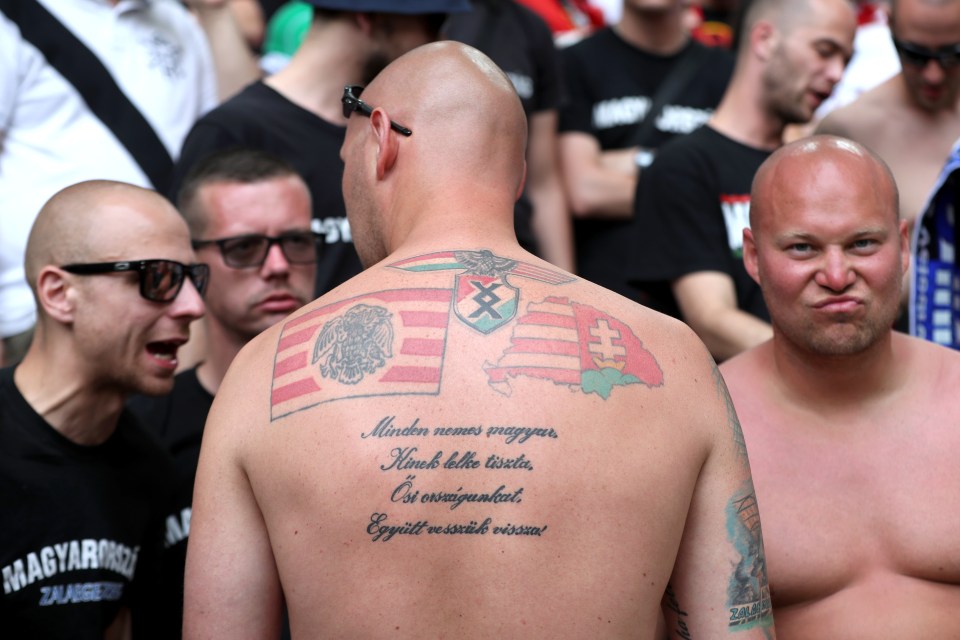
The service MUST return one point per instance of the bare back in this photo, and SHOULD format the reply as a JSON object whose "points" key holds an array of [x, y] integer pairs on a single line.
{"points": [[914, 143], [860, 503], [474, 444]]}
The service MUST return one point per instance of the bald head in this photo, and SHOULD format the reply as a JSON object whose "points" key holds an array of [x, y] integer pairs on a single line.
{"points": [[817, 164], [464, 111], [98, 221]]}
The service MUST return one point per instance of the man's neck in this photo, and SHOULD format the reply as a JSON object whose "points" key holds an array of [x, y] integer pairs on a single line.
{"points": [[222, 346], [328, 59], [655, 32], [741, 116], [839, 382], [82, 412]]}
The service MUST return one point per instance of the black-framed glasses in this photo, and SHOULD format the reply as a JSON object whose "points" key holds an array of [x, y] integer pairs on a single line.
{"points": [[918, 56], [241, 252], [352, 103], [160, 280]]}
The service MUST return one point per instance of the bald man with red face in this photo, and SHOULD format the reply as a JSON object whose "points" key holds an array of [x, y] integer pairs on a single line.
{"points": [[851, 427]]}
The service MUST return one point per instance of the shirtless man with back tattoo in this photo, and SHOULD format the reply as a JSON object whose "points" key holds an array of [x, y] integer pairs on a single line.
{"points": [[463, 440]]}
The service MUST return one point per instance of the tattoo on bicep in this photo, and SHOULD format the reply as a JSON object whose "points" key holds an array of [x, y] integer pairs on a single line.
{"points": [[749, 590], [673, 610], [432, 472], [732, 421]]}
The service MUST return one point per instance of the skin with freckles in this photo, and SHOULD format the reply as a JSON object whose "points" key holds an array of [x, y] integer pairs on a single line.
{"points": [[851, 427]]}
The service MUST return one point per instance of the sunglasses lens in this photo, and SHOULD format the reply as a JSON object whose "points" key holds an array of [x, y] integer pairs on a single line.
{"points": [[917, 56], [248, 251], [300, 248], [161, 280]]}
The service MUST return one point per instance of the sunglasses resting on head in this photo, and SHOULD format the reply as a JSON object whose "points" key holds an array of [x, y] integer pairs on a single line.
{"points": [[352, 103], [160, 280]]}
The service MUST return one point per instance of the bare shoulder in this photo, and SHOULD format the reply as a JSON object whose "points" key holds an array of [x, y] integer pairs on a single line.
{"points": [[858, 119], [932, 365], [746, 368]]}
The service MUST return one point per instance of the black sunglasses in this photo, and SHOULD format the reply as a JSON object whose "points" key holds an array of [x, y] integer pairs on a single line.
{"points": [[352, 102], [917, 56], [241, 252], [160, 280]]}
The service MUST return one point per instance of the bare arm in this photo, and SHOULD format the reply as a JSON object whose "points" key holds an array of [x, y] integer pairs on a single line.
{"points": [[719, 585], [597, 185], [236, 65], [231, 589], [708, 303], [551, 218]]}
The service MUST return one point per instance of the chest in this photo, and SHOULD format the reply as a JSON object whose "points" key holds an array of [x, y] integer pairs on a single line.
{"points": [[837, 508]]}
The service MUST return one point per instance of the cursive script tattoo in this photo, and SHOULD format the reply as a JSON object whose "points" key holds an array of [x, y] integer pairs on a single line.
{"points": [[672, 607], [428, 477]]}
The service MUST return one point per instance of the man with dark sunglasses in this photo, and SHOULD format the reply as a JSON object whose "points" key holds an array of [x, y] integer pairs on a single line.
{"points": [[913, 119], [249, 216], [84, 489], [465, 441]]}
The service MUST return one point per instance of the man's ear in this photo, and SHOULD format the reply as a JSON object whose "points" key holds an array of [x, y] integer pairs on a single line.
{"points": [[904, 234], [763, 39], [523, 181], [750, 255], [388, 144], [56, 294]]}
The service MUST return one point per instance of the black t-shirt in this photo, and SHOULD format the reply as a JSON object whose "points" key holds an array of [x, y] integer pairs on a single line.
{"points": [[82, 525], [177, 419], [609, 87], [260, 118], [520, 42], [691, 208]]}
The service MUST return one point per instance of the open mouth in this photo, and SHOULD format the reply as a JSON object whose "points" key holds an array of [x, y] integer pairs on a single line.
{"points": [[165, 350]]}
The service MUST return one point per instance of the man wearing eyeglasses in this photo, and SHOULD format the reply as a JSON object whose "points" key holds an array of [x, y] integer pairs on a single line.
{"points": [[464, 441], [83, 489], [913, 119], [249, 216]]}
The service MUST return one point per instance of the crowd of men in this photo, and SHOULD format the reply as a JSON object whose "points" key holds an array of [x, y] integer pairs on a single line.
{"points": [[420, 333]]}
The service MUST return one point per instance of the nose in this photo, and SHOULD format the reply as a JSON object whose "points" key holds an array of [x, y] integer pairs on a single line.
{"points": [[933, 73], [835, 272], [188, 303], [275, 263], [835, 70]]}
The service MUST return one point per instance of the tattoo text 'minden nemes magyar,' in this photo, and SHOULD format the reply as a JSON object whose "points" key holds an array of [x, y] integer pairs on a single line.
{"points": [[422, 458]]}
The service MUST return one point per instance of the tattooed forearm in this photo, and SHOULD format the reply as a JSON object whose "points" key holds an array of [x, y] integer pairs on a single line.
{"points": [[749, 590]]}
